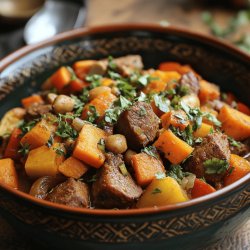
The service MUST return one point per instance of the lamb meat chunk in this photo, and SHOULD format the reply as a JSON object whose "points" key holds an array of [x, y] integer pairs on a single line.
{"points": [[138, 124], [71, 193], [36, 110], [243, 148], [112, 189], [213, 146], [191, 82]]}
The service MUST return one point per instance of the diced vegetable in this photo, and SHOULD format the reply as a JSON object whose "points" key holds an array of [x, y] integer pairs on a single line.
{"points": [[8, 174], [146, 167], [175, 118], [201, 188], [174, 149], [28, 101], [11, 120], [162, 192], [86, 148], [101, 104], [39, 134], [235, 123], [12, 148], [44, 161], [82, 68], [61, 78], [161, 81], [203, 130], [208, 91], [72, 167], [174, 66], [243, 108], [239, 167], [77, 85]]}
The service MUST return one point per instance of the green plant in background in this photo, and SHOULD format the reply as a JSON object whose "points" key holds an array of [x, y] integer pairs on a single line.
{"points": [[242, 18]]}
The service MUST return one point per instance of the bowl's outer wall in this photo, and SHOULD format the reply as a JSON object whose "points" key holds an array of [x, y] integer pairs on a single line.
{"points": [[214, 63]]}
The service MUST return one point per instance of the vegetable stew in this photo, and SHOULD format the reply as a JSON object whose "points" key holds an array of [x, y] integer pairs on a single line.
{"points": [[110, 134]]}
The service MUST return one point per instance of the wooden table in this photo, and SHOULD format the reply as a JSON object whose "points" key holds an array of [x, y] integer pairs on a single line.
{"points": [[177, 12]]}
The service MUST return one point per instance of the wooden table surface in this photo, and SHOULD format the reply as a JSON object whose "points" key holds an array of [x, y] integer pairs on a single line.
{"points": [[177, 12]]}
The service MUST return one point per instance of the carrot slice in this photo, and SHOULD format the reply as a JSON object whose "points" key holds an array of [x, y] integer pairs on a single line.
{"points": [[203, 130], [243, 108], [201, 188], [239, 167], [61, 78], [82, 68], [11, 150], [28, 101], [174, 66]]}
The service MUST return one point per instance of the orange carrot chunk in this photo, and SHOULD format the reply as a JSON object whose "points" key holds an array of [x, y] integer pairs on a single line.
{"points": [[12, 148], [86, 148], [72, 167], [203, 130], [208, 91], [174, 149], [201, 188], [235, 123], [174, 66], [146, 167], [82, 68], [239, 167], [175, 118], [101, 103], [243, 108], [28, 101], [8, 174], [61, 78]]}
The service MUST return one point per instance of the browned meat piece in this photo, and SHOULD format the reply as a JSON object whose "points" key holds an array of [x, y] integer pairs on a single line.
{"points": [[138, 124], [112, 189], [191, 82], [213, 146], [71, 193], [243, 149], [216, 104], [36, 110]]}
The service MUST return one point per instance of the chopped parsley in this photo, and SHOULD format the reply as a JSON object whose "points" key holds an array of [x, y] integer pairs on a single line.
{"points": [[177, 173], [64, 129], [186, 135], [78, 106], [27, 126], [50, 141], [150, 150], [111, 63], [212, 119], [156, 191], [60, 151], [233, 142], [92, 114], [94, 80], [161, 102], [24, 149], [142, 111], [215, 166]]}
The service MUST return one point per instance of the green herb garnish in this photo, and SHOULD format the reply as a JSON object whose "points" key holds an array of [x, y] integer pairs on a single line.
{"points": [[156, 191], [24, 149], [50, 141], [150, 150], [215, 166]]}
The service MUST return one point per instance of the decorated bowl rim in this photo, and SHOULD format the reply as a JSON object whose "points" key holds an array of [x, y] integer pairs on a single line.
{"points": [[11, 58]]}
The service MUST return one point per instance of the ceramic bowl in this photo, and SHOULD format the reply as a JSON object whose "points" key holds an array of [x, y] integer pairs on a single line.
{"points": [[190, 225]]}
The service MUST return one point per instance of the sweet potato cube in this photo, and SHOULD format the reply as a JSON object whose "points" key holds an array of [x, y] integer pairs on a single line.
{"points": [[146, 167], [8, 174], [44, 161], [86, 148]]}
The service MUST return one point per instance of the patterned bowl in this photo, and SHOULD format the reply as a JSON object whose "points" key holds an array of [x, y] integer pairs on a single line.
{"points": [[193, 224]]}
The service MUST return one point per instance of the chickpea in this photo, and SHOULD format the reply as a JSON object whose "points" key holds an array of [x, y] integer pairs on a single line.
{"points": [[128, 156], [191, 100], [51, 97], [77, 124], [93, 93], [116, 143], [63, 104]]}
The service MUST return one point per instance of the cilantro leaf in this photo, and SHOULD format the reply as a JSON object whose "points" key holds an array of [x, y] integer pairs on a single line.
{"points": [[215, 166], [161, 102], [151, 150]]}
